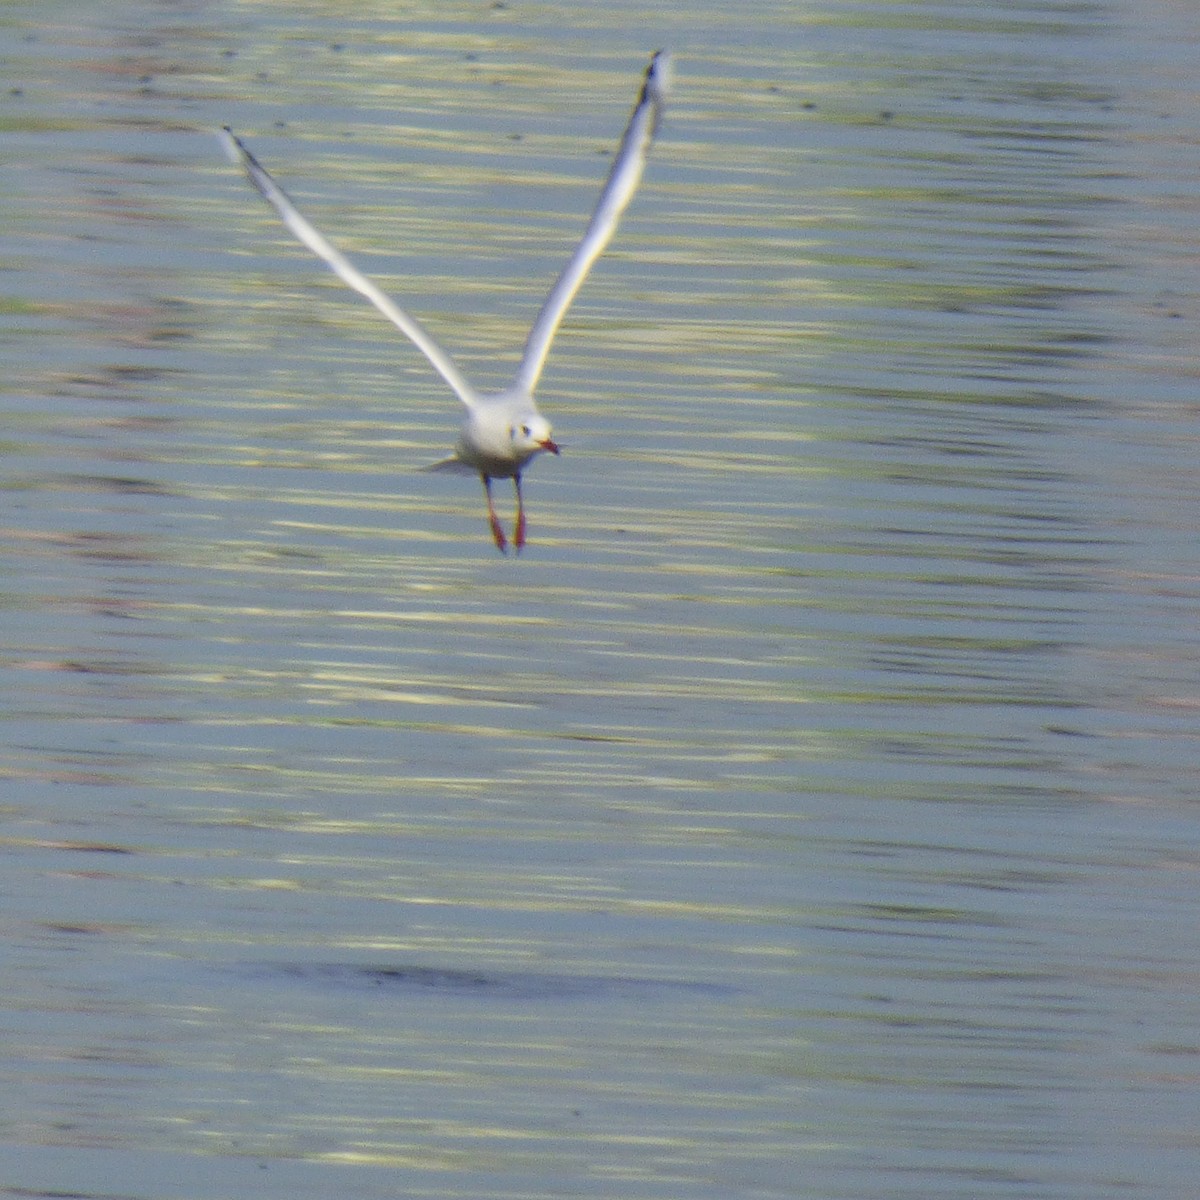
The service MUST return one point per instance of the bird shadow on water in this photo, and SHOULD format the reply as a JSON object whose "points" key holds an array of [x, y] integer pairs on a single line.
{"points": [[407, 979]]}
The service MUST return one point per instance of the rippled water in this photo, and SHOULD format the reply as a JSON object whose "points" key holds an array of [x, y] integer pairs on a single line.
{"points": [[808, 812]]}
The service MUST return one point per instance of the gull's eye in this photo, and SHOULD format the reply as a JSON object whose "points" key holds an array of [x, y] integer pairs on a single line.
{"points": [[525, 431]]}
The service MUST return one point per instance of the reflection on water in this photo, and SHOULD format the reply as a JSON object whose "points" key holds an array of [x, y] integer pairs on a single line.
{"points": [[808, 802]]}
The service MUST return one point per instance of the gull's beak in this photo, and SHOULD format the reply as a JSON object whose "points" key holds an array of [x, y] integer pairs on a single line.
{"points": [[549, 444]]}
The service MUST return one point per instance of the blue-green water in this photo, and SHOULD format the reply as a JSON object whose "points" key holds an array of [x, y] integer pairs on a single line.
{"points": [[809, 812]]}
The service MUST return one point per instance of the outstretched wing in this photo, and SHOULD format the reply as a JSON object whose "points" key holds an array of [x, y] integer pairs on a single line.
{"points": [[622, 182], [345, 270]]}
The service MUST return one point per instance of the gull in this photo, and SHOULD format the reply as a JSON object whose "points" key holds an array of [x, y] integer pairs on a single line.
{"points": [[502, 432]]}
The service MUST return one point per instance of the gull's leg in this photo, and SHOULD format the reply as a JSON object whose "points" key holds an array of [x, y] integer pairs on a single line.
{"points": [[519, 528], [493, 520]]}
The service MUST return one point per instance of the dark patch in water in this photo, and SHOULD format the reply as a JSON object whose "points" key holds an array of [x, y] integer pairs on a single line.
{"points": [[517, 985]]}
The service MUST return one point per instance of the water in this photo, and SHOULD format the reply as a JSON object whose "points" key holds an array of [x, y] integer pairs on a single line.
{"points": [[808, 812]]}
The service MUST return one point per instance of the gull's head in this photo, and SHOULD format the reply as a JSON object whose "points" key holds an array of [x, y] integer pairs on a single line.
{"points": [[530, 435]]}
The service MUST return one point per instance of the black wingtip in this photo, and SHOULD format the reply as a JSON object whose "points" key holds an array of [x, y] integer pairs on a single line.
{"points": [[231, 144], [658, 76]]}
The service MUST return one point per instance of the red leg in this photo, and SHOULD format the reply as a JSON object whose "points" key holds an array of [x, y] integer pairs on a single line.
{"points": [[493, 520], [519, 529]]}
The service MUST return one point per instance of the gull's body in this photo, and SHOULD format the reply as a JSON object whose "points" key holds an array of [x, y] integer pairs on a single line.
{"points": [[502, 431]]}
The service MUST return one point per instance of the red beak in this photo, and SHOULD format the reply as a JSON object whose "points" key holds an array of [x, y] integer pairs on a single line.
{"points": [[549, 444]]}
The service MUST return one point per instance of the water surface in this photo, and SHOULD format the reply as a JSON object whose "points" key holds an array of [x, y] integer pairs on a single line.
{"points": [[809, 810]]}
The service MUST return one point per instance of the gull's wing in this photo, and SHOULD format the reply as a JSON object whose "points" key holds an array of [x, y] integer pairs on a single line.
{"points": [[622, 182], [345, 270]]}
